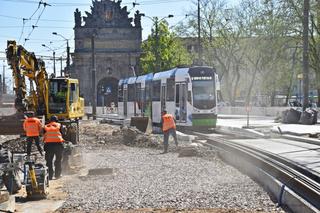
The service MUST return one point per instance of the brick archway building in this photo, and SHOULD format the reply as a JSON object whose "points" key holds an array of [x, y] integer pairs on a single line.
{"points": [[117, 46]]}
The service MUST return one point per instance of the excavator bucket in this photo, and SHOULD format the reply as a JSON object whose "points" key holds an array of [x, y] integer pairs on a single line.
{"points": [[142, 123], [11, 124]]}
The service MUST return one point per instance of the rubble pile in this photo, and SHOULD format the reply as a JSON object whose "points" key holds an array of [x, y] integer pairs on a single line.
{"points": [[16, 144], [93, 132]]}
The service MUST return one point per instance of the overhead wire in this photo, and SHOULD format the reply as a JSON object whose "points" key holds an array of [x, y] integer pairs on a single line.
{"points": [[53, 20], [35, 25], [59, 4], [24, 20]]}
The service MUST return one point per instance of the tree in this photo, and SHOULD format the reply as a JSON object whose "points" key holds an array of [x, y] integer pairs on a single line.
{"points": [[253, 46], [170, 51]]}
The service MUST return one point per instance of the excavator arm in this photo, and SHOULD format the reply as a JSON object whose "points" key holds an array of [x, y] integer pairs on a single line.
{"points": [[24, 65], [30, 87]]}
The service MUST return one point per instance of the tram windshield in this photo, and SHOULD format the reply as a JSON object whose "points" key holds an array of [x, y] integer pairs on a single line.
{"points": [[203, 94]]}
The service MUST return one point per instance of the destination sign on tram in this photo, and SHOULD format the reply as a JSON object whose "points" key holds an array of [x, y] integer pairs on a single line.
{"points": [[199, 78]]}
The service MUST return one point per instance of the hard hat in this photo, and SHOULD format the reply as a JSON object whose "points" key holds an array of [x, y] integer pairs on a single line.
{"points": [[54, 118]]}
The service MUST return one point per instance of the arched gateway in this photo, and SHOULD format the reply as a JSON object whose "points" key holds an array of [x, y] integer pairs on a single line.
{"points": [[116, 39]]}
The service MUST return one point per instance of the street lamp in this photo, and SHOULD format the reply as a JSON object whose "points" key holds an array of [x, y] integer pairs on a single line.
{"points": [[68, 49], [156, 21], [54, 58]]}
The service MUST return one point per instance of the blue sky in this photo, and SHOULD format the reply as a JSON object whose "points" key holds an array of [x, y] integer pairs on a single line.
{"points": [[59, 18]]}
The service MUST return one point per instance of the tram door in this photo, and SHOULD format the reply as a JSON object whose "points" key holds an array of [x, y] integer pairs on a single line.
{"points": [[163, 97], [181, 102], [125, 101]]}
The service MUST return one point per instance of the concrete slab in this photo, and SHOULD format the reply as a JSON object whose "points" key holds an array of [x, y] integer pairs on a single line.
{"points": [[297, 129], [43, 206], [184, 137], [9, 205]]}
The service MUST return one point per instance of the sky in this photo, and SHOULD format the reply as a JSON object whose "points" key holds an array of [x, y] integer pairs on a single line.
{"points": [[58, 16]]}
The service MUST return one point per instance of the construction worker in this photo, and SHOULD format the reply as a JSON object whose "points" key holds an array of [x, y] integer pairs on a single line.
{"points": [[53, 145], [168, 128], [32, 126]]}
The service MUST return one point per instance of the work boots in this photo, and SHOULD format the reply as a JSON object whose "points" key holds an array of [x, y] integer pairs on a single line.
{"points": [[165, 149]]}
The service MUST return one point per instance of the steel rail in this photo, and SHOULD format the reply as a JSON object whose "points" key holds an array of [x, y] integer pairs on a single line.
{"points": [[301, 182]]}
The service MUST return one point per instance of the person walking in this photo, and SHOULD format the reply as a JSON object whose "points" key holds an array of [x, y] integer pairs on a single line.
{"points": [[32, 127], [53, 146], [168, 128]]}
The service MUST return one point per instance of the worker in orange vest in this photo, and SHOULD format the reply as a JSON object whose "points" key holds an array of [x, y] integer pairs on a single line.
{"points": [[53, 145], [168, 128], [32, 127]]}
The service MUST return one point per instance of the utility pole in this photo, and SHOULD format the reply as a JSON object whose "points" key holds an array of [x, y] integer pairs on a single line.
{"points": [[93, 89], [318, 43], [199, 39], [0, 86], [68, 58], [306, 8], [54, 63], [4, 89], [157, 44], [61, 66], [68, 51], [54, 57]]}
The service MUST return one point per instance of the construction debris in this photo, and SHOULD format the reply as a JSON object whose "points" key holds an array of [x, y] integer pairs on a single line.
{"points": [[105, 134]]}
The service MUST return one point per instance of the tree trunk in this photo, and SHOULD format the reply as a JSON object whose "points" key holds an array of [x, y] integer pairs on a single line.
{"points": [[236, 81], [248, 98], [291, 76]]}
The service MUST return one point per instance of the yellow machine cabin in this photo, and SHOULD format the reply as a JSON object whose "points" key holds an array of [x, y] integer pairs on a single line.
{"points": [[45, 96], [63, 99]]}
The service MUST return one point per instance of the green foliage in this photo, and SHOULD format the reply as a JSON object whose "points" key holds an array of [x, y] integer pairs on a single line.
{"points": [[167, 45], [253, 45]]}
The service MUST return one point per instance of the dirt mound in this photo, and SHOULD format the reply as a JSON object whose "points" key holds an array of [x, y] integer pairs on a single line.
{"points": [[110, 134]]}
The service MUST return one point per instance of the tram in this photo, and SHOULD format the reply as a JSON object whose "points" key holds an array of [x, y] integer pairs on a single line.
{"points": [[188, 93]]}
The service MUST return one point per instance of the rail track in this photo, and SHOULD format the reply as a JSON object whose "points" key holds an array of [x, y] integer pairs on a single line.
{"points": [[287, 175]]}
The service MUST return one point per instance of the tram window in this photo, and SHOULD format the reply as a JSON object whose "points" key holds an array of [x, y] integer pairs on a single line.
{"points": [[138, 92], [131, 92], [170, 89], [156, 86], [148, 91], [120, 93], [189, 97]]}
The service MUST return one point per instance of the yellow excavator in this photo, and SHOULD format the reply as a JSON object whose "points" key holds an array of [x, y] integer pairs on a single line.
{"points": [[46, 96]]}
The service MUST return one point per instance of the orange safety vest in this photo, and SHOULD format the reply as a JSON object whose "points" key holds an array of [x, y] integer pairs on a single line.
{"points": [[32, 126], [168, 122], [53, 134]]}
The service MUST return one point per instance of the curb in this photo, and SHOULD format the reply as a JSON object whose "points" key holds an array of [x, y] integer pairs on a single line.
{"points": [[240, 131], [302, 139]]}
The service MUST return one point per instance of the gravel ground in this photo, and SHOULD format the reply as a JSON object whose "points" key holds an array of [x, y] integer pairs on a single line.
{"points": [[142, 178]]}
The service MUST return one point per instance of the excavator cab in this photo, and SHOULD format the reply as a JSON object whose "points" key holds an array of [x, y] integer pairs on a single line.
{"points": [[58, 90], [63, 98]]}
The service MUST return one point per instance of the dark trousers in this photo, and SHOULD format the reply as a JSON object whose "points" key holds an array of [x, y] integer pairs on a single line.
{"points": [[53, 150], [166, 135], [36, 139]]}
